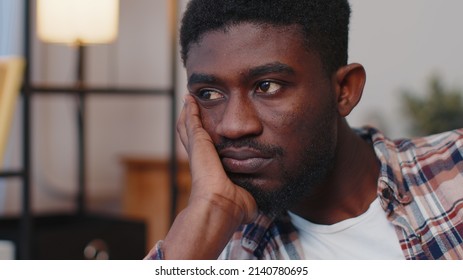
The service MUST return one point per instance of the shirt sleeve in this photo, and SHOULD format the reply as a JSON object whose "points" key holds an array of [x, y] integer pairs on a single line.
{"points": [[156, 253]]}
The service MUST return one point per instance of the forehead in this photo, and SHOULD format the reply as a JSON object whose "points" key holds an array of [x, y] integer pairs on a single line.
{"points": [[247, 45]]}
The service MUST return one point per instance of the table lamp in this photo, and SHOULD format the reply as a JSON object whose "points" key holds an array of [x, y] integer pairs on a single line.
{"points": [[78, 23]]}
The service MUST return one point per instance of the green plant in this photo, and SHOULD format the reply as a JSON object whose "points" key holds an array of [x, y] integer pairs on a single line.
{"points": [[439, 110]]}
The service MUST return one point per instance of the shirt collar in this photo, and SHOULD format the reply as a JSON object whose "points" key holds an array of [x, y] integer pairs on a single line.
{"points": [[392, 186]]}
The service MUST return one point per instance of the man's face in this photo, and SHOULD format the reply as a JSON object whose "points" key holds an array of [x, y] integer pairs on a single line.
{"points": [[269, 108]]}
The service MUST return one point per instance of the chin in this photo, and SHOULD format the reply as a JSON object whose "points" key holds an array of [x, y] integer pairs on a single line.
{"points": [[275, 196], [271, 197]]}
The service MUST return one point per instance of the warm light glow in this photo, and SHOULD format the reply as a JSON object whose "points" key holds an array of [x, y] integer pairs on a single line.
{"points": [[77, 21]]}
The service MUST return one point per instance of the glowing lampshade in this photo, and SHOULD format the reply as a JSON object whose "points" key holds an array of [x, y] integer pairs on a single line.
{"points": [[77, 21]]}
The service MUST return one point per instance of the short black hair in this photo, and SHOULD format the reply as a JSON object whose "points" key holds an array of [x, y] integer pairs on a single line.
{"points": [[325, 23]]}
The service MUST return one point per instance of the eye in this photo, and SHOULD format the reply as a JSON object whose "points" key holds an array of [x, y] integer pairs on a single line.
{"points": [[209, 94], [267, 87]]}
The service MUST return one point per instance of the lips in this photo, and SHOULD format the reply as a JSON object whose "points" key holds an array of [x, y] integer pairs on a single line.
{"points": [[244, 160]]}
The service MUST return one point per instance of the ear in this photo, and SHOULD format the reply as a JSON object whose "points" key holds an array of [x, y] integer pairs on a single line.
{"points": [[349, 82]]}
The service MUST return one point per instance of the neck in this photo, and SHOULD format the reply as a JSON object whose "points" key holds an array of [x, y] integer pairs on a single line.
{"points": [[349, 188]]}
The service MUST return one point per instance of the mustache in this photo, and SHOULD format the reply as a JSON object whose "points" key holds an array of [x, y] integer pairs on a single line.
{"points": [[249, 143]]}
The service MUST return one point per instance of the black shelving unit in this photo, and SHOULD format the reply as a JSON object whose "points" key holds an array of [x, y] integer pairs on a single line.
{"points": [[26, 224]]}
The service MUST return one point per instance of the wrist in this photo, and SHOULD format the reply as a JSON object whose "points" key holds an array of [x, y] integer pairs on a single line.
{"points": [[220, 206], [202, 230]]}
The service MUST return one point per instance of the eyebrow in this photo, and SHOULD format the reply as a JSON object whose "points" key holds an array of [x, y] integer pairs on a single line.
{"points": [[199, 78], [255, 72], [275, 67]]}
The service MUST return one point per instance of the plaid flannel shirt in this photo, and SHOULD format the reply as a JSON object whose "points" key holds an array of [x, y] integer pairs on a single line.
{"points": [[420, 187]]}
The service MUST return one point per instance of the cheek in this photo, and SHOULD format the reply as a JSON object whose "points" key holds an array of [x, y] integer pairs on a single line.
{"points": [[289, 131], [210, 118], [300, 127], [285, 121]]}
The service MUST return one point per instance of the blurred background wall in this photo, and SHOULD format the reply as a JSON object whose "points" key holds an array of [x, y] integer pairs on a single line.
{"points": [[400, 43]]}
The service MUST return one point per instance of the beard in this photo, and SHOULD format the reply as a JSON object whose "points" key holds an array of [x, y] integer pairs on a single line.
{"points": [[315, 162], [296, 184]]}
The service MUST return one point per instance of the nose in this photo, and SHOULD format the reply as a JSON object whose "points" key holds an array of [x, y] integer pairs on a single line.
{"points": [[240, 118]]}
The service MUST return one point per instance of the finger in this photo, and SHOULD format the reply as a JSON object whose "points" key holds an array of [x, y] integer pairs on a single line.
{"points": [[193, 123], [202, 154], [190, 127], [181, 127], [195, 131]]}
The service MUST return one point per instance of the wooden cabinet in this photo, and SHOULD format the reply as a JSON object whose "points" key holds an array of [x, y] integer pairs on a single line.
{"points": [[147, 193]]}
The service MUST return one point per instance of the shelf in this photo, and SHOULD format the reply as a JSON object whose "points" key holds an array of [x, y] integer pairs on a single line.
{"points": [[11, 173], [53, 89]]}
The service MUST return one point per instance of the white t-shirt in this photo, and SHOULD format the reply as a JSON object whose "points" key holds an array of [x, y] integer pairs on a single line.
{"points": [[368, 236]]}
